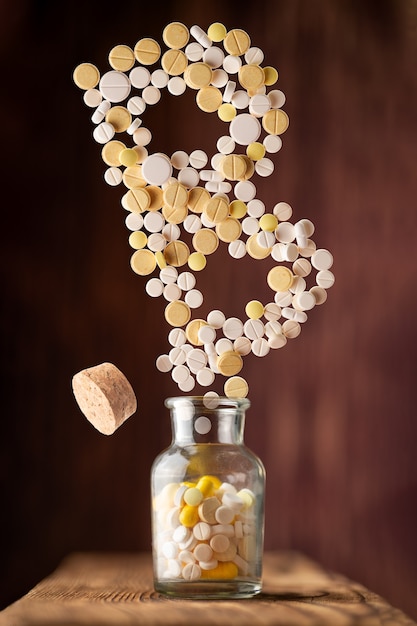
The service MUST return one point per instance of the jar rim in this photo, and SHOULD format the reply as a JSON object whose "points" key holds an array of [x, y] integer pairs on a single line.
{"points": [[209, 402]]}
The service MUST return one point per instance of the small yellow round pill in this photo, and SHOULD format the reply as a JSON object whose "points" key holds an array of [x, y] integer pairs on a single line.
{"points": [[256, 151], [128, 157], [237, 209], [193, 496], [189, 516], [254, 309], [271, 75], [147, 51], [280, 278], [197, 261], [216, 31], [177, 313], [143, 262], [268, 222], [236, 387], [226, 112], [121, 58], [137, 239], [86, 76]]}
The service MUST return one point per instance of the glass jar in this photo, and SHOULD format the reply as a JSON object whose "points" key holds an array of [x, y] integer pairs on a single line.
{"points": [[207, 503]]}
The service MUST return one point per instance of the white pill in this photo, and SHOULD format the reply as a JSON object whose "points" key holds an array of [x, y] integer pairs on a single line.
{"points": [[154, 287], [205, 377], [142, 136], [103, 132], [254, 56], [291, 329], [260, 347], [240, 99], [202, 425], [92, 98], [194, 298], [283, 298], [301, 267], [233, 328], [272, 143], [255, 208], [194, 51], [225, 144], [186, 281], [265, 239], [272, 311], [173, 517], [284, 232], [320, 294], [136, 105], [170, 550], [237, 249], [298, 284], [176, 85], [224, 515], [192, 571], [290, 251], [156, 169], [294, 314], [232, 500], [198, 159], [259, 105], [113, 176], [309, 249], [253, 329], [325, 279], [322, 259], [180, 373], [211, 175], [213, 56], [206, 222], [134, 126], [154, 221], [140, 77], [242, 345], [163, 364], [223, 345], [180, 159], [171, 232], [177, 356], [277, 98], [277, 341], [207, 334], [151, 94], [214, 187], [200, 36], [177, 337], [273, 328], [283, 211], [308, 227], [186, 556], [192, 223], [172, 292], [223, 529], [159, 78], [245, 190], [202, 531], [244, 129], [219, 543], [134, 221], [304, 301], [211, 400], [250, 225], [156, 242], [232, 64], [174, 568], [168, 274], [216, 318], [181, 534], [216, 161], [238, 529], [189, 177], [187, 385], [229, 90], [114, 86], [264, 167], [219, 78]]}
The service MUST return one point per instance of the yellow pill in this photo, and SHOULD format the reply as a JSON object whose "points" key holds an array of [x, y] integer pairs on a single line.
{"points": [[229, 229], [254, 309], [250, 167], [255, 250], [198, 75], [176, 35], [209, 99], [143, 262], [268, 222], [280, 278], [197, 261], [191, 332], [229, 363], [188, 483], [86, 76], [237, 209], [236, 42], [174, 62], [173, 215], [216, 210], [233, 167], [175, 195], [251, 77], [247, 496], [255, 151], [205, 241], [137, 200], [110, 152], [176, 253], [177, 313], [206, 486], [198, 198], [189, 516], [128, 157], [225, 570], [132, 177], [193, 496], [156, 197], [121, 58], [275, 122], [138, 239], [160, 260], [214, 479], [147, 51], [216, 31], [236, 387], [271, 75], [226, 112], [120, 118]]}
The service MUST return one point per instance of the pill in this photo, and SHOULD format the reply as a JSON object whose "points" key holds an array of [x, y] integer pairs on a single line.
{"points": [[285, 232], [213, 56], [254, 309], [168, 275], [233, 328], [216, 31], [189, 177], [236, 387], [192, 329], [86, 76], [301, 267], [196, 360], [175, 195], [176, 85], [260, 347], [244, 129], [240, 99], [137, 200], [113, 176], [255, 250], [291, 329], [272, 143], [245, 190], [277, 98], [275, 122], [237, 249], [179, 159], [132, 177], [189, 516], [236, 42], [138, 240], [219, 78], [180, 374], [186, 281], [163, 363], [272, 311], [265, 239], [103, 133], [202, 425], [259, 104], [226, 112], [242, 345], [143, 262], [172, 292], [229, 363], [151, 94], [224, 515], [186, 556], [205, 377], [176, 253], [283, 211], [198, 75], [251, 77], [208, 507], [114, 86], [92, 98], [207, 334], [325, 279], [191, 571], [205, 241], [202, 531], [121, 58], [264, 167], [280, 278], [276, 340], [175, 35], [199, 34], [219, 543], [156, 169], [105, 396], [322, 259], [177, 313], [134, 221], [319, 293], [298, 284], [171, 232], [194, 51], [253, 328]]}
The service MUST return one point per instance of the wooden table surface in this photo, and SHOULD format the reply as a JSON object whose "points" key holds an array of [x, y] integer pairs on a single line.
{"points": [[100, 589]]}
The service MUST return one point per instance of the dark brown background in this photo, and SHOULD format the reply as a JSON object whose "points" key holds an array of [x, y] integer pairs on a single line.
{"points": [[333, 414]]}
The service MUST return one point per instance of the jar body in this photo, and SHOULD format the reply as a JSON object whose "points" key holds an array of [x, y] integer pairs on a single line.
{"points": [[207, 504]]}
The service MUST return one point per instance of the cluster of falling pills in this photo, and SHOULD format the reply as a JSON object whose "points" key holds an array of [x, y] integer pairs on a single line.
{"points": [[182, 207], [204, 530]]}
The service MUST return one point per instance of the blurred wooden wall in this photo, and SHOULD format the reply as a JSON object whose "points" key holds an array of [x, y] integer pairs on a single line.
{"points": [[333, 413]]}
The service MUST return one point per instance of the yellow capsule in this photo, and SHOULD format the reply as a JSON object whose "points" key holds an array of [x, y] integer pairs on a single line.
{"points": [[224, 570], [189, 516], [215, 480], [206, 486], [188, 484]]}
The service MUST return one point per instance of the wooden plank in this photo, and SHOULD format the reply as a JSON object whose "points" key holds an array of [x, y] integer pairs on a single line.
{"points": [[98, 589]]}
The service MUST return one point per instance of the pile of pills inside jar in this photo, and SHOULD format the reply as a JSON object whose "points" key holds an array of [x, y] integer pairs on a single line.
{"points": [[182, 207], [204, 530]]}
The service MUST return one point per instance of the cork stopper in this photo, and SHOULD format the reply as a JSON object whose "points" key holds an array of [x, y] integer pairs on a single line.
{"points": [[105, 396]]}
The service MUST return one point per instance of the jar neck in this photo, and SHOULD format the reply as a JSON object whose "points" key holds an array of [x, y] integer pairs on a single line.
{"points": [[207, 420]]}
